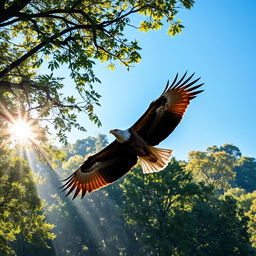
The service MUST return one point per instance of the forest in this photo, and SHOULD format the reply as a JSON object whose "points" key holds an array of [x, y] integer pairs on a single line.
{"points": [[203, 206]]}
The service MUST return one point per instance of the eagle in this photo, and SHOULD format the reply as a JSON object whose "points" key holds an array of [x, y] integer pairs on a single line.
{"points": [[138, 142]]}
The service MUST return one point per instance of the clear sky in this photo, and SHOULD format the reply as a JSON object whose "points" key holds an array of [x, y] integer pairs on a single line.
{"points": [[219, 44]]}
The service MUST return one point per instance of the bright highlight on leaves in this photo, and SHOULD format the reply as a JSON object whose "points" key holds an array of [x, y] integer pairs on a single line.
{"points": [[21, 132]]}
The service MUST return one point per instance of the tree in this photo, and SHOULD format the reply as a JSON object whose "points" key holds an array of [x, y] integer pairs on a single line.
{"points": [[101, 142], [74, 34], [214, 167], [246, 202], [72, 163], [23, 227], [215, 227], [245, 169], [243, 199], [252, 222], [228, 148], [167, 213], [90, 227], [86, 146], [150, 204], [81, 147]]}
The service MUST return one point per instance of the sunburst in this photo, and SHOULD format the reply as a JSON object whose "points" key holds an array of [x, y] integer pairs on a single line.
{"points": [[22, 132]]}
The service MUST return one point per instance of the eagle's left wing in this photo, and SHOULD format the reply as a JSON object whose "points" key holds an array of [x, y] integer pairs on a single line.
{"points": [[100, 169], [165, 113]]}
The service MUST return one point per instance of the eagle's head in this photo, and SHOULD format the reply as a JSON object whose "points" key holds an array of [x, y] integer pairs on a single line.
{"points": [[121, 135]]}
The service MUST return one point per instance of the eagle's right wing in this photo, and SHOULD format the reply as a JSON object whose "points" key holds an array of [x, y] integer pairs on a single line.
{"points": [[165, 113]]}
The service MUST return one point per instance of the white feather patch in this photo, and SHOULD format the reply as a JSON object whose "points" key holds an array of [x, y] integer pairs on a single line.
{"points": [[163, 158]]}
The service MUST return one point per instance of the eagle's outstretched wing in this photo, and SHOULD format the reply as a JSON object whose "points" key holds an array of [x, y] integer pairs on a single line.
{"points": [[165, 113], [101, 169]]}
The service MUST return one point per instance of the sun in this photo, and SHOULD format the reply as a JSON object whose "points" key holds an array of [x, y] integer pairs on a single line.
{"points": [[21, 132]]}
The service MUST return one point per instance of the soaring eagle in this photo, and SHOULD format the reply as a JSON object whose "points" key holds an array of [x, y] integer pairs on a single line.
{"points": [[138, 142]]}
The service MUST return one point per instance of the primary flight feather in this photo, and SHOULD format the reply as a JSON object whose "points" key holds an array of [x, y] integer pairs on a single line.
{"points": [[137, 143]]}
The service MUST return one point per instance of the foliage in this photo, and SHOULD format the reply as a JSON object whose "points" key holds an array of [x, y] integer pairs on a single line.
{"points": [[244, 199], [216, 227], [171, 215], [244, 167], [21, 217], [93, 226], [74, 35], [77, 151], [151, 204], [166, 213], [228, 148], [214, 167], [252, 223], [246, 202], [73, 162], [245, 170], [86, 146]]}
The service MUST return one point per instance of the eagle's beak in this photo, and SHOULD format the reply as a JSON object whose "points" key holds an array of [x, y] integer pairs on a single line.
{"points": [[111, 131]]}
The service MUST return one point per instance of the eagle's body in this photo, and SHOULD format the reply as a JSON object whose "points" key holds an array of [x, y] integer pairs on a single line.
{"points": [[151, 158], [138, 142]]}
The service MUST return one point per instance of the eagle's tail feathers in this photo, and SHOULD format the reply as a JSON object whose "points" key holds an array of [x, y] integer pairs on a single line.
{"points": [[163, 157]]}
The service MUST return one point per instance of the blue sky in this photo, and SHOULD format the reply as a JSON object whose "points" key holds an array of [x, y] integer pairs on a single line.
{"points": [[218, 43]]}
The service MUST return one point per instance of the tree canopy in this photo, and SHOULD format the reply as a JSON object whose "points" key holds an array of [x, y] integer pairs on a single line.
{"points": [[245, 170], [72, 34], [23, 226], [173, 212], [214, 167]]}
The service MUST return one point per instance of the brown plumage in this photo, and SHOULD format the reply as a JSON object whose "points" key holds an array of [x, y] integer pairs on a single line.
{"points": [[115, 160], [101, 169]]}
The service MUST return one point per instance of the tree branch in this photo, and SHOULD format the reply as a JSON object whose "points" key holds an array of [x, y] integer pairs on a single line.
{"points": [[9, 22], [2, 3], [41, 45], [12, 10], [44, 15]]}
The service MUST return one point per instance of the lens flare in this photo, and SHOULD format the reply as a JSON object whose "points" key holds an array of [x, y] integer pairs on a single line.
{"points": [[21, 132]]}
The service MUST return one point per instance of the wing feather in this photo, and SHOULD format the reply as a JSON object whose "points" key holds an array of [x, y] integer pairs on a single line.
{"points": [[165, 113], [100, 170]]}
